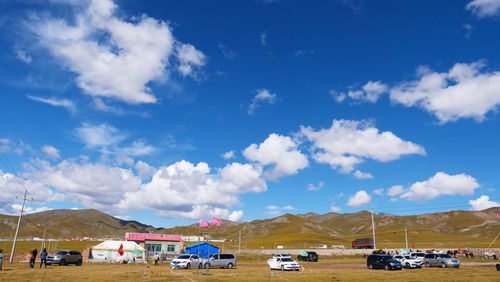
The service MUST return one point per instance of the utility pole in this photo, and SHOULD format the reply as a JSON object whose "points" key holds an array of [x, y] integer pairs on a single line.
{"points": [[373, 228], [406, 239], [17, 228], [43, 240], [239, 244]]}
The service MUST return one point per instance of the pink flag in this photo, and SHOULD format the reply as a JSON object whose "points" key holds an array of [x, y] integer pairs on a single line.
{"points": [[216, 221], [498, 215], [204, 223]]}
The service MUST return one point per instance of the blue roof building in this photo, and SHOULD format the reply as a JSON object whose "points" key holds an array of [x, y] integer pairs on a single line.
{"points": [[203, 247]]}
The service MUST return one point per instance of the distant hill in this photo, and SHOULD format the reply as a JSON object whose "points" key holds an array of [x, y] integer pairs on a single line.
{"points": [[453, 228], [70, 224]]}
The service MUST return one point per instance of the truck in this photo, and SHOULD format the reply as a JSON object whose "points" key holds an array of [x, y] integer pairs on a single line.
{"points": [[362, 243]]}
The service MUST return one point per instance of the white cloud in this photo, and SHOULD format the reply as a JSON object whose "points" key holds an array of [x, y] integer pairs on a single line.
{"points": [[465, 91], [379, 192], [185, 190], [21, 55], [289, 208], [334, 208], [483, 203], [102, 135], [370, 92], [228, 155], [441, 184], [277, 210], [279, 151], [236, 216], [339, 97], [144, 170], [93, 185], [139, 148], [362, 175], [14, 186], [113, 57], [263, 38], [226, 52], [262, 96], [395, 190], [28, 209], [64, 103], [347, 143], [359, 199], [311, 187], [484, 8], [51, 151]]}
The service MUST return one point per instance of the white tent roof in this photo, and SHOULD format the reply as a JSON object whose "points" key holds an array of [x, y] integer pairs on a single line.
{"points": [[115, 245]]}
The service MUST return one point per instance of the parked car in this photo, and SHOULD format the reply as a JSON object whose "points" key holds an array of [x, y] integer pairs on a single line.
{"points": [[408, 261], [443, 260], [307, 256], [65, 257], [220, 260], [283, 262], [386, 262], [186, 261]]}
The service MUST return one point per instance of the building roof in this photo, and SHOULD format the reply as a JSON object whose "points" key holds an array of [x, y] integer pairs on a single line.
{"points": [[198, 244], [152, 237]]}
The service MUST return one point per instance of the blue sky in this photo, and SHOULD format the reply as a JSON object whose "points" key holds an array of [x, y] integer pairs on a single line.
{"points": [[166, 112]]}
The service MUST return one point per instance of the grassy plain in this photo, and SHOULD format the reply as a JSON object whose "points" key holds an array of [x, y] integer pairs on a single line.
{"points": [[249, 269]]}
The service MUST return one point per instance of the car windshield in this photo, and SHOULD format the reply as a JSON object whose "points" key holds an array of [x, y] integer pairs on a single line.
{"points": [[410, 257], [445, 256], [286, 259], [61, 253], [386, 258], [184, 257]]}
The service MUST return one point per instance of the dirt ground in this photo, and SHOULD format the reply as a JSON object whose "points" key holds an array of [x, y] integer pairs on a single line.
{"points": [[248, 270]]}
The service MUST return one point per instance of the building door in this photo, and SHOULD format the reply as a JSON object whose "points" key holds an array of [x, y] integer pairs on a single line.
{"points": [[153, 249]]}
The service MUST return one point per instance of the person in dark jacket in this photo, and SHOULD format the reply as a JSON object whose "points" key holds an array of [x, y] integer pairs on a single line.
{"points": [[1, 257], [43, 258], [34, 253]]}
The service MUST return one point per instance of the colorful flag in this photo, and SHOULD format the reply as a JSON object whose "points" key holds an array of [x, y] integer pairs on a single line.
{"points": [[498, 215], [204, 223], [216, 221], [120, 250]]}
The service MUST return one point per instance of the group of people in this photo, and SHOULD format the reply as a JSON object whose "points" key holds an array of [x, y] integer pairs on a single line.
{"points": [[43, 257]]}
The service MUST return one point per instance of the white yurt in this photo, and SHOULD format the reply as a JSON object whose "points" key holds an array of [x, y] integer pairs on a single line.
{"points": [[108, 251]]}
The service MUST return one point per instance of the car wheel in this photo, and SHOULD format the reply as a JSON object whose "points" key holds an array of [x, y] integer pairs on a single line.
{"points": [[427, 264], [407, 265], [443, 265], [79, 262], [282, 268], [386, 267], [188, 266], [62, 262], [229, 265], [370, 266]]}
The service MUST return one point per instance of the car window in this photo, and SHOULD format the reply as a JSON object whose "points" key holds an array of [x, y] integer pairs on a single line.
{"points": [[61, 253], [409, 257], [183, 257], [287, 259], [195, 257], [445, 256]]}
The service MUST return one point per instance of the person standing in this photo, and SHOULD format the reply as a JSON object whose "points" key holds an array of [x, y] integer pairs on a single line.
{"points": [[157, 258], [43, 258], [1, 257], [34, 253]]}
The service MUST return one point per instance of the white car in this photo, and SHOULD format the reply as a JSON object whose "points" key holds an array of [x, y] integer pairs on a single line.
{"points": [[409, 261], [186, 261], [283, 262]]}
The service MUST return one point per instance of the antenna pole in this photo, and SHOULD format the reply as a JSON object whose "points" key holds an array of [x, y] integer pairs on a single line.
{"points": [[17, 228], [406, 239]]}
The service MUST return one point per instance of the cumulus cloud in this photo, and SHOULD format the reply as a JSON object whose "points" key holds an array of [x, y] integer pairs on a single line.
{"points": [[362, 175], [334, 208], [236, 216], [339, 97], [379, 192], [311, 187], [483, 203], [228, 155], [359, 199], [139, 148], [113, 57], [14, 186], [64, 103], [144, 170], [441, 184], [395, 190], [52, 152], [348, 143], [278, 151], [186, 190], [28, 209], [262, 96], [484, 8], [101, 135], [370, 92], [277, 210]]}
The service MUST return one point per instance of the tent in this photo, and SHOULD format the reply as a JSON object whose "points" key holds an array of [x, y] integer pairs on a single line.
{"points": [[107, 251], [203, 247]]}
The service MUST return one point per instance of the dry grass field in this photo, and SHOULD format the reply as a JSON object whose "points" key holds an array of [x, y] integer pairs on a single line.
{"points": [[328, 269]]}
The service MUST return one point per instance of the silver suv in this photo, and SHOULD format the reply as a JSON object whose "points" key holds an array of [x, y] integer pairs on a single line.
{"points": [[443, 260], [220, 260], [65, 257]]}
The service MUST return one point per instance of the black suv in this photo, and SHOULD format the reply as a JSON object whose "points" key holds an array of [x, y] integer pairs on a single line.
{"points": [[307, 256], [383, 261]]}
